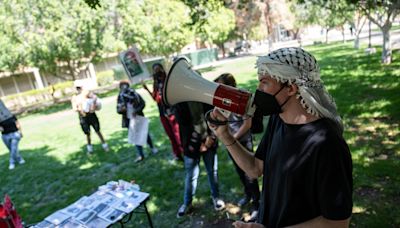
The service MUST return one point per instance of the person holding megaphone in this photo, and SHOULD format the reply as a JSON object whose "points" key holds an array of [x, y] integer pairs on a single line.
{"points": [[304, 160]]}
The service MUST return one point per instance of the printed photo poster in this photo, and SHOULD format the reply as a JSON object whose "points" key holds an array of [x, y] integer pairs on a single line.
{"points": [[134, 65]]}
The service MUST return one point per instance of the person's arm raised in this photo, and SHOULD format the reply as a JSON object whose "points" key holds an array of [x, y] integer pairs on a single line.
{"points": [[147, 89], [245, 159]]}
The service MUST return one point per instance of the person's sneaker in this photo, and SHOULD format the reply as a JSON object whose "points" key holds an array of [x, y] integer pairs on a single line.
{"points": [[139, 159], [219, 204], [89, 148], [154, 150], [21, 162], [183, 210], [105, 147], [243, 201], [253, 216], [11, 166]]}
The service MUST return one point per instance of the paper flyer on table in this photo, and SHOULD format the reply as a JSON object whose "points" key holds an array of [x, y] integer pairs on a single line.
{"points": [[57, 217], [85, 216], [111, 215], [98, 222], [139, 197]]}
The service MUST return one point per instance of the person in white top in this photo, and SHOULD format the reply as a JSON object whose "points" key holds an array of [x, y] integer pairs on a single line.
{"points": [[86, 103]]}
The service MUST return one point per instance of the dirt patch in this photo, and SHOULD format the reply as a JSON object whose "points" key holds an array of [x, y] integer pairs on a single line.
{"points": [[368, 192]]}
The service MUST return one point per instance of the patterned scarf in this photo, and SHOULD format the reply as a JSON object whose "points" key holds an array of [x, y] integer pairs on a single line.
{"points": [[296, 66]]}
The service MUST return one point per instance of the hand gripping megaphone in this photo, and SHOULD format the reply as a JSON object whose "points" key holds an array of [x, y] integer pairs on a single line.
{"points": [[184, 84]]}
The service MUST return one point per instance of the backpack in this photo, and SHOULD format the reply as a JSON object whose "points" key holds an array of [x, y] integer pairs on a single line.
{"points": [[9, 217]]}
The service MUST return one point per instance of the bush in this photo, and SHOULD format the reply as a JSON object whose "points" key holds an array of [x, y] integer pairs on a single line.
{"points": [[119, 73], [17, 102], [105, 78]]}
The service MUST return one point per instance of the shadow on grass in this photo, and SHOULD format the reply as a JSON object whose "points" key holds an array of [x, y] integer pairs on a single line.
{"points": [[376, 191], [37, 175]]}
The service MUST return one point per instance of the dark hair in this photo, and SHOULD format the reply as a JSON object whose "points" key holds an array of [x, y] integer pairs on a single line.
{"points": [[159, 65], [126, 82], [227, 79]]}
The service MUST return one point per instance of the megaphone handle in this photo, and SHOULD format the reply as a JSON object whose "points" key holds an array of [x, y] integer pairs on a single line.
{"points": [[212, 121]]}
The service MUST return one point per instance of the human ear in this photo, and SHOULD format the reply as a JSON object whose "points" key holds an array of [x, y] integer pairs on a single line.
{"points": [[292, 89]]}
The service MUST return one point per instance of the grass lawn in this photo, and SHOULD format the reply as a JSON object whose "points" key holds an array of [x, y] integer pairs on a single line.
{"points": [[58, 171]]}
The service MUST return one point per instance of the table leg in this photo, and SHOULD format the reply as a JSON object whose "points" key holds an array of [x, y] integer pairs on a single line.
{"points": [[148, 215]]}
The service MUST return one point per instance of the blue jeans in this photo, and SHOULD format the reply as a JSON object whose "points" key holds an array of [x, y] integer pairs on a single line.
{"points": [[11, 141], [140, 148], [192, 171]]}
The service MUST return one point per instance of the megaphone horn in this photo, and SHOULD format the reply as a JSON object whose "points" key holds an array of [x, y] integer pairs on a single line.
{"points": [[184, 84]]}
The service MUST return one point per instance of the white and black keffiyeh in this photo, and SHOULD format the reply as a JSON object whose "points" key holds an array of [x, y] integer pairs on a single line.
{"points": [[296, 66]]}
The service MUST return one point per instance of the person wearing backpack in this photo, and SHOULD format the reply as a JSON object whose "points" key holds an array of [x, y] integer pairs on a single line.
{"points": [[130, 104]]}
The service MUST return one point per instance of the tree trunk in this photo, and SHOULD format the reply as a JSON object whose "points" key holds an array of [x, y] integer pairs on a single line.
{"points": [[71, 70], [357, 32], [343, 35], [326, 36], [357, 41], [270, 45], [221, 46], [296, 33], [386, 47]]}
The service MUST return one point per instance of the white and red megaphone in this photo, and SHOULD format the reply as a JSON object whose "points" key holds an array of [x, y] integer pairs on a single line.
{"points": [[184, 84]]}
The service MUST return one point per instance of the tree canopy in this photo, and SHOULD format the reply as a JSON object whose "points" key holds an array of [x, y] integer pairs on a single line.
{"points": [[63, 37]]}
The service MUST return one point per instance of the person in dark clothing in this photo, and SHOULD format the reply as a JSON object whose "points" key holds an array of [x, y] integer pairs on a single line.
{"points": [[11, 135], [198, 142], [130, 104], [304, 160], [239, 127]]}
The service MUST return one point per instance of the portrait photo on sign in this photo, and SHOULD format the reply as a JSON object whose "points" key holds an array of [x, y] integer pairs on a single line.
{"points": [[134, 66]]}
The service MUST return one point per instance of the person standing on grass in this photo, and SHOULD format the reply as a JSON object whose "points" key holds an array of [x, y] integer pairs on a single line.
{"points": [[167, 116], [239, 127], [11, 134], [304, 160], [198, 142], [86, 103], [129, 105]]}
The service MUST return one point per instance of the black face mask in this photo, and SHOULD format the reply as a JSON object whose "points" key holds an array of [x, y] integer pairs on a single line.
{"points": [[159, 75], [124, 87], [266, 104]]}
